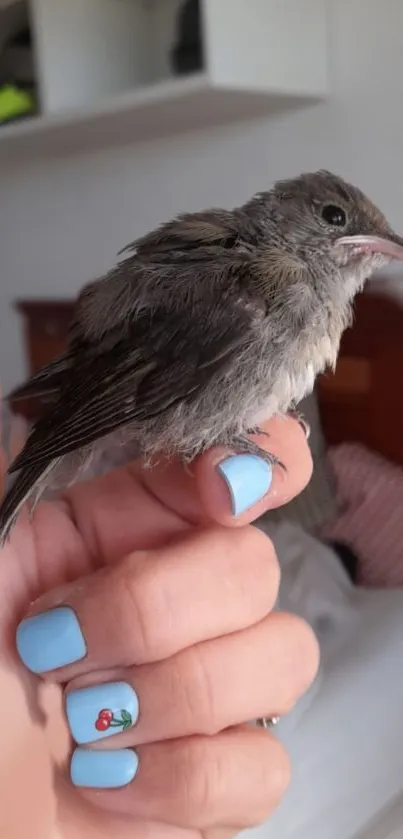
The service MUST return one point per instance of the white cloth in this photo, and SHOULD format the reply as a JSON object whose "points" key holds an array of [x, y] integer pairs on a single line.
{"points": [[388, 824], [345, 738]]}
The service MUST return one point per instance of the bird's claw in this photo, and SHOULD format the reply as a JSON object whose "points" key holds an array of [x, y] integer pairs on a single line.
{"points": [[302, 422], [243, 445]]}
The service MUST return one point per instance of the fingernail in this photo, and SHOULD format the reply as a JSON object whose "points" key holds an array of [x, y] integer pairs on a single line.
{"points": [[101, 710], [50, 640], [103, 770], [248, 478]]}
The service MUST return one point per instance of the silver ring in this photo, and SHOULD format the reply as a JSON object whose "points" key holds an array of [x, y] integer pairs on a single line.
{"points": [[267, 722]]}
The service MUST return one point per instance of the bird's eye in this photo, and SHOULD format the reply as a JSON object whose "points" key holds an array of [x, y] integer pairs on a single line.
{"points": [[334, 215]]}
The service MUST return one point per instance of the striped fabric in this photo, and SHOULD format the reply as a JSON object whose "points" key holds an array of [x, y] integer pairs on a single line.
{"points": [[370, 498], [317, 505]]}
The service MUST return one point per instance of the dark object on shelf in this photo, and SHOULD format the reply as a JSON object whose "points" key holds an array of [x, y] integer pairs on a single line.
{"points": [[23, 38], [187, 54], [18, 98]]}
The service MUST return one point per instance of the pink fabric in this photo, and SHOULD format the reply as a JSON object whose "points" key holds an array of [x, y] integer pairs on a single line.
{"points": [[370, 499]]}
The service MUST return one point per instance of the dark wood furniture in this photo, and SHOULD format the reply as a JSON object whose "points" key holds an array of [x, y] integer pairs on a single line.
{"points": [[45, 325], [361, 401]]}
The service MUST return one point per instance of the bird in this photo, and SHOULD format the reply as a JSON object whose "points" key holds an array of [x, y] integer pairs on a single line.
{"points": [[206, 327]]}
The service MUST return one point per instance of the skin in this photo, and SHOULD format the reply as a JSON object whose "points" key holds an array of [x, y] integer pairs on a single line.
{"points": [[149, 551]]}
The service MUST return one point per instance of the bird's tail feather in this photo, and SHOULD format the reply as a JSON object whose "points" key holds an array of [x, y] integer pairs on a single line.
{"points": [[22, 489]]}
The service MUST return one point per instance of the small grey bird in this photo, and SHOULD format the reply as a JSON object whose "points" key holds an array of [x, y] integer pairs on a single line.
{"points": [[213, 323]]}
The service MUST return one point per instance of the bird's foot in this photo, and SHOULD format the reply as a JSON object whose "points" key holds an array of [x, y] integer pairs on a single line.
{"points": [[258, 431], [302, 422], [243, 445]]}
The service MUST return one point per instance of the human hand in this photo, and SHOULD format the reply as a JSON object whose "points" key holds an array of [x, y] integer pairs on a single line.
{"points": [[169, 606]]}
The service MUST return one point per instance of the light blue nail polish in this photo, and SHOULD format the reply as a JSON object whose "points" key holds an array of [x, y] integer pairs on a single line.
{"points": [[101, 710], [103, 770], [50, 640], [248, 478]]}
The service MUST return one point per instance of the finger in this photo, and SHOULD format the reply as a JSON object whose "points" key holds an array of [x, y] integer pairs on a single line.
{"points": [[237, 777], [153, 604], [234, 490], [209, 687], [137, 508]]}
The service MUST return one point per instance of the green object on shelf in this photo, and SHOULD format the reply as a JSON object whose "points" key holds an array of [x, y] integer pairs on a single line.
{"points": [[15, 102]]}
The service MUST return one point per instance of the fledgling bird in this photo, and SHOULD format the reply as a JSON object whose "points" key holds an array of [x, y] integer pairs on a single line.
{"points": [[212, 324]]}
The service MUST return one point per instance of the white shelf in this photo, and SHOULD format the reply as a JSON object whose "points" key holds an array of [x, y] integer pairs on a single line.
{"points": [[160, 110], [111, 83]]}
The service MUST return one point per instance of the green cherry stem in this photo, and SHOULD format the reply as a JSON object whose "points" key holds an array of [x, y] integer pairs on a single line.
{"points": [[116, 723]]}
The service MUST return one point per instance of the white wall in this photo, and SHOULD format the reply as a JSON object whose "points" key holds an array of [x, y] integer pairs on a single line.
{"points": [[62, 222]]}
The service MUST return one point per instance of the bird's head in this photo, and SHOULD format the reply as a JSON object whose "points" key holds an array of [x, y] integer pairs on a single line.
{"points": [[328, 222]]}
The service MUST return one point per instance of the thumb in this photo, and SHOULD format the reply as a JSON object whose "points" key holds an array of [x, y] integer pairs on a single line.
{"points": [[135, 508], [232, 489]]}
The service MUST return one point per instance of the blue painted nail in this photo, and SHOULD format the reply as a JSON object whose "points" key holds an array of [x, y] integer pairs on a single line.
{"points": [[248, 478], [101, 710], [103, 770], [50, 640]]}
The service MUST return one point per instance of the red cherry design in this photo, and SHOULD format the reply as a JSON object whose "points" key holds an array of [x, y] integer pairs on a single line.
{"points": [[106, 719]]}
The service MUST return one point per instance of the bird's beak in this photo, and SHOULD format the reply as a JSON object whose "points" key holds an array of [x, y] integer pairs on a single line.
{"points": [[390, 246]]}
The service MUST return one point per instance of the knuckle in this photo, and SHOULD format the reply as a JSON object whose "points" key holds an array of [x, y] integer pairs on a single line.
{"points": [[274, 779], [307, 652], [209, 784], [276, 773], [198, 779], [198, 696], [302, 653], [266, 783], [140, 602], [263, 567]]}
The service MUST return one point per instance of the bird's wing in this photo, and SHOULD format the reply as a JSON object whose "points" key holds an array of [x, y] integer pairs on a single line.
{"points": [[196, 239], [48, 380], [190, 231], [127, 384]]}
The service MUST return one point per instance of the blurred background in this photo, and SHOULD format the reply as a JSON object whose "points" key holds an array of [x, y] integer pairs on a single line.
{"points": [[125, 138]]}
